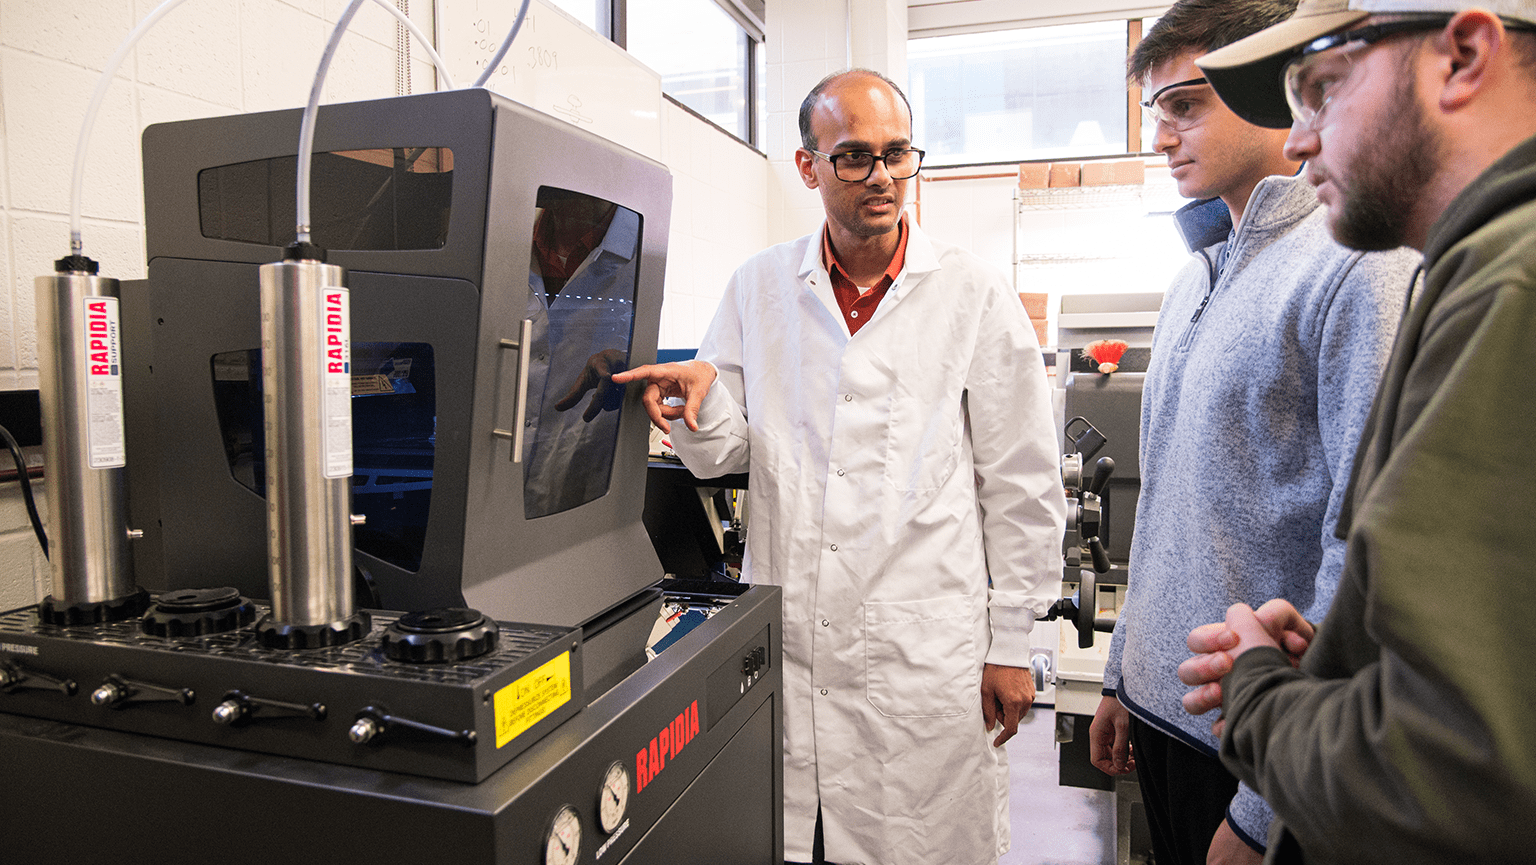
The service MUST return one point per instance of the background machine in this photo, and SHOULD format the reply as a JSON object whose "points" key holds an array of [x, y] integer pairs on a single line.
{"points": [[483, 693]]}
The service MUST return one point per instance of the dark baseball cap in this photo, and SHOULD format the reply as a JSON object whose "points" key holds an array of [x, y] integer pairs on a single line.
{"points": [[1247, 74]]}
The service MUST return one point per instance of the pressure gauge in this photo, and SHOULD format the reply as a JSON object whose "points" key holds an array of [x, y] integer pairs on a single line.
{"points": [[563, 843], [613, 799]]}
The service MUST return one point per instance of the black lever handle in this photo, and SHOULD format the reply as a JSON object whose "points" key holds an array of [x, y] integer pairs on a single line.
{"points": [[1085, 438], [238, 707], [373, 721], [1100, 555], [117, 692], [14, 678], [1101, 472]]}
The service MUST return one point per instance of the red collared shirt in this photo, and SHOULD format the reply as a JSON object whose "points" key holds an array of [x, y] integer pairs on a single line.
{"points": [[555, 231], [859, 305]]}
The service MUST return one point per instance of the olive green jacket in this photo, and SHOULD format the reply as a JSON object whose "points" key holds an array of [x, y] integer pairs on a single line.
{"points": [[1408, 734]]}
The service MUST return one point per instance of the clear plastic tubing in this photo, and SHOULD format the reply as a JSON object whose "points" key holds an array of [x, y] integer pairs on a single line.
{"points": [[307, 125], [116, 60], [506, 43]]}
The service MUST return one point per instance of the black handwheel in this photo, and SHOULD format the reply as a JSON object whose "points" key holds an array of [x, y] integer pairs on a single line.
{"points": [[1087, 605]]}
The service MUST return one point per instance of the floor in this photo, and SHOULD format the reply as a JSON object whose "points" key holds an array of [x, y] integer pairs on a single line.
{"points": [[1053, 825]]}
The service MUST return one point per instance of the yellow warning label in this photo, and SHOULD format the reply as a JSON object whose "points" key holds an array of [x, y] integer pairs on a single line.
{"points": [[530, 699], [369, 385]]}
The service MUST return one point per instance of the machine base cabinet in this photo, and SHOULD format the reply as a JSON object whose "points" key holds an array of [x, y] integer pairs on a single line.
{"points": [[697, 731]]}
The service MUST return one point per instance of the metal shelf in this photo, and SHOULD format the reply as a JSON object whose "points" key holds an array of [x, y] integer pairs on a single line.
{"points": [[1081, 197], [1060, 258]]}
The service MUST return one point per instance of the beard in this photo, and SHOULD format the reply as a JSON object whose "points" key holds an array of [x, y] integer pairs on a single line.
{"points": [[1387, 181]]}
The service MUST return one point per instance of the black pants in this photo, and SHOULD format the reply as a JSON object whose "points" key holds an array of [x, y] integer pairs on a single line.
{"points": [[1186, 793]]}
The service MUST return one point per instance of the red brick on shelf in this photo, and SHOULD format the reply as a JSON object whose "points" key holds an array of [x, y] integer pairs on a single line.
{"points": [[1098, 173], [1130, 171], [1034, 303], [1040, 330], [1114, 172], [1066, 174], [1034, 175]]}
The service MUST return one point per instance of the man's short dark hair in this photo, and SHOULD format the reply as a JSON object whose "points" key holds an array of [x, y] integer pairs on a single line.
{"points": [[1202, 26], [808, 138]]}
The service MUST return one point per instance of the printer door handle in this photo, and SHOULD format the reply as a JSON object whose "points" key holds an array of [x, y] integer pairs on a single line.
{"points": [[524, 345]]}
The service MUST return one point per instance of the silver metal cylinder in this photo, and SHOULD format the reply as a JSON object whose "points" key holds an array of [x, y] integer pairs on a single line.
{"points": [[80, 373], [307, 381]]}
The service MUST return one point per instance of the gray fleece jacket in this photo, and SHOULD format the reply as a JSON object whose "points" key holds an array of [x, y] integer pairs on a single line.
{"points": [[1255, 398]]}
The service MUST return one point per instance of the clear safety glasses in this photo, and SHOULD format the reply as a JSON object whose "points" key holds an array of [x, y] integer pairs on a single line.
{"points": [[1178, 106], [1324, 65]]}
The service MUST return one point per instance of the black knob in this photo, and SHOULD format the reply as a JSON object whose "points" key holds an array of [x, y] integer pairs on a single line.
{"points": [[290, 637], [445, 634], [55, 612], [196, 612]]}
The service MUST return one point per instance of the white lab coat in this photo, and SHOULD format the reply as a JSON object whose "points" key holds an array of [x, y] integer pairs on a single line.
{"points": [[891, 474]]}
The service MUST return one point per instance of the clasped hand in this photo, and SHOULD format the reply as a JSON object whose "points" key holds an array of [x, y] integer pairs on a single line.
{"points": [[1276, 624]]}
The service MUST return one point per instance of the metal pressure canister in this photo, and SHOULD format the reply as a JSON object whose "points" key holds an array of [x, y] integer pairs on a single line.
{"points": [[307, 383], [81, 392]]}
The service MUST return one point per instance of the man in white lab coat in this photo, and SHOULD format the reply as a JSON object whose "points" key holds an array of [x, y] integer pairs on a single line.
{"points": [[887, 394]]}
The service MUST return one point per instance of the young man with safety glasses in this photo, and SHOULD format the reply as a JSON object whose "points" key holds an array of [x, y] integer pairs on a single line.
{"points": [[1399, 729], [1267, 351]]}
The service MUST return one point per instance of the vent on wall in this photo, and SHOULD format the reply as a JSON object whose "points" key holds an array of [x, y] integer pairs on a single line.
{"points": [[402, 52]]}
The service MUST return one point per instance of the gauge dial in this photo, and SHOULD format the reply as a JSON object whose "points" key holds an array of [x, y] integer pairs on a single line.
{"points": [[613, 799], [563, 843]]}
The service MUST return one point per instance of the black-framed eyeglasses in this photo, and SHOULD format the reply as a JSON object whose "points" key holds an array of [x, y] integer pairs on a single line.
{"points": [[856, 166], [1174, 113], [1312, 77]]}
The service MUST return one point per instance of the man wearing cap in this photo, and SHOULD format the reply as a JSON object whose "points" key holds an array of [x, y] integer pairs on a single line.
{"points": [[1267, 353], [1400, 729]]}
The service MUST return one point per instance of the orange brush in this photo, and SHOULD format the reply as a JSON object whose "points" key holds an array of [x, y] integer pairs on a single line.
{"points": [[1107, 352]]}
